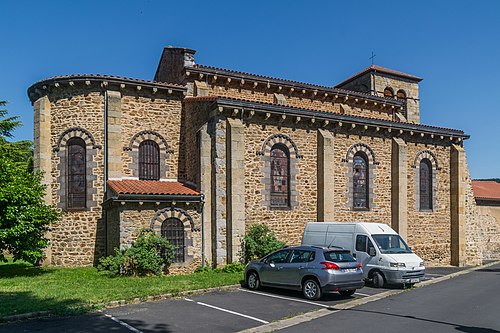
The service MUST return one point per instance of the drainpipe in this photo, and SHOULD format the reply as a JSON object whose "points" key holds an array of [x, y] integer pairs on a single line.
{"points": [[105, 213], [202, 200]]}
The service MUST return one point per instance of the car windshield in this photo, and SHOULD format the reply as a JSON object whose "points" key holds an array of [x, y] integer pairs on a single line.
{"points": [[391, 244], [337, 256]]}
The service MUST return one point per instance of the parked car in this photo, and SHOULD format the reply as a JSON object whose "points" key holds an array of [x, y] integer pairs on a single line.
{"points": [[314, 270], [383, 254]]}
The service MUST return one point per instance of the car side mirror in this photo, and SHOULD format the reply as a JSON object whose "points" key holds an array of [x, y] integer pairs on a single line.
{"points": [[372, 252]]}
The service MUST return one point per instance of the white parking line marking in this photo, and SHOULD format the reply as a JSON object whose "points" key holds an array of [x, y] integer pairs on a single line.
{"points": [[360, 294], [228, 311], [133, 329], [285, 298]]}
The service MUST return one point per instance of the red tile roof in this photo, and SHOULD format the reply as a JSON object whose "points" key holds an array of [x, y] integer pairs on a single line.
{"points": [[375, 68], [486, 189], [152, 187]]}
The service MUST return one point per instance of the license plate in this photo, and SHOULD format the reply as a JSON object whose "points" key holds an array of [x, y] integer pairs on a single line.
{"points": [[349, 270], [414, 280]]}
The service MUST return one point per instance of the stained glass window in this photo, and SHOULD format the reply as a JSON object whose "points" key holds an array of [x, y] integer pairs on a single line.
{"points": [[149, 160], [280, 176], [76, 173], [173, 230], [360, 181], [425, 185]]}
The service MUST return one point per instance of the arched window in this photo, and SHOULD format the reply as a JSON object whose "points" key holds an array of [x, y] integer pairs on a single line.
{"points": [[149, 160], [280, 176], [360, 181], [76, 173], [425, 184], [173, 230], [388, 92], [401, 95]]}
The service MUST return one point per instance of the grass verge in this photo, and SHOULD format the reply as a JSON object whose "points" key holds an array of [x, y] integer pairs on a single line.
{"points": [[64, 291]]}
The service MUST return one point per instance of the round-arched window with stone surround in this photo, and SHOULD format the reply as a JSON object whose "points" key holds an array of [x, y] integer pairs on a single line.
{"points": [[280, 176], [173, 230], [425, 179], [149, 160], [360, 179], [401, 95], [388, 92], [76, 181]]}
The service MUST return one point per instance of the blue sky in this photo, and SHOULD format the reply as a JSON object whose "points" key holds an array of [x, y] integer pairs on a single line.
{"points": [[453, 45]]}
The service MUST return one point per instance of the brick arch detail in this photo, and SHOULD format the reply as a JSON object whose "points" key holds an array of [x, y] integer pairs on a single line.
{"points": [[149, 135], [281, 139], [166, 213], [428, 155], [76, 132], [363, 148]]}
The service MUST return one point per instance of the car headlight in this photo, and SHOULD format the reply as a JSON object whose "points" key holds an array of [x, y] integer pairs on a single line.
{"points": [[421, 264], [397, 264]]}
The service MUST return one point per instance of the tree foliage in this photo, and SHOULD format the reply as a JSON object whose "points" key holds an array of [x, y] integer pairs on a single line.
{"points": [[24, 217], [259, 241]]}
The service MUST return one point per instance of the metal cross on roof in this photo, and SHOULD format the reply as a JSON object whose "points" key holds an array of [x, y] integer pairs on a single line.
{"points": [[372, 57]]}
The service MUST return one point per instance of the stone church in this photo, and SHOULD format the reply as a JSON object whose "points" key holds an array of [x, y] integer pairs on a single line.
{"points": [[200, 153]]}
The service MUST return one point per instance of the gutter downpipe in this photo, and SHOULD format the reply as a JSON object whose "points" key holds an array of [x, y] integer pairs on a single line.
{"points": [[105, 214], [202, 200]]}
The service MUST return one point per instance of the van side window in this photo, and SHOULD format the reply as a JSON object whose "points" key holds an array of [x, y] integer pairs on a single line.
{"points": [[361, 243]]}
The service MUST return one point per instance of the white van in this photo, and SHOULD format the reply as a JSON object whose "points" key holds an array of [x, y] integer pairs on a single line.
{"points": [[383, 253]]}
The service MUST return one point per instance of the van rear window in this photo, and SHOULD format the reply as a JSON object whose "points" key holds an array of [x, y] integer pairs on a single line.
{"points": [[339, 256]]}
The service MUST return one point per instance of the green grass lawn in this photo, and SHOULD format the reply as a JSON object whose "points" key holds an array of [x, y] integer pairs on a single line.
{"points": [[24, 288]]}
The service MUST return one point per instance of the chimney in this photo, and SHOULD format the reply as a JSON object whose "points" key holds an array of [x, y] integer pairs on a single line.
{"points": [[172, 63]]}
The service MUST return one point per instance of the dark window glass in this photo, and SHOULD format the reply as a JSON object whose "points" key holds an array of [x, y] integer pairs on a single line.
{"points": [[339, 256], [280, 176], [149, 160], [388, 93], [425, 185], [360, 181], [299, 256], [278, 257], [361, 243], [76, 173], [173, 230]]}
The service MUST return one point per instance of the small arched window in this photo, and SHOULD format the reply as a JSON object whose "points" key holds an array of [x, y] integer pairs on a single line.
{"points": [[401, 95], [173, 230], [425, 184], [388, 92], [280, 176], [149, 160], [76, 181], [360, 181]]}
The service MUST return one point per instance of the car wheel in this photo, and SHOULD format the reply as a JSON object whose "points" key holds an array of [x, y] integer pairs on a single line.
{"points": [[378, 280], [253, 281], [347, 293], [311, 290]]}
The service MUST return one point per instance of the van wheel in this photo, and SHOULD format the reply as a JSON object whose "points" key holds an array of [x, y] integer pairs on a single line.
{"points": [[378, 280], [253, 281], [311, 290], [347, 293]]}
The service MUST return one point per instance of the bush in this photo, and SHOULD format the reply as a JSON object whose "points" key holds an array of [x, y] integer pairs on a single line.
{"points": [[149, 254], [259, 241], [233, 268]]}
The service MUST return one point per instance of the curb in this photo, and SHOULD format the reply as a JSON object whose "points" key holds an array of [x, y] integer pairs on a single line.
{"points": [[113, 304], [285, 323]]}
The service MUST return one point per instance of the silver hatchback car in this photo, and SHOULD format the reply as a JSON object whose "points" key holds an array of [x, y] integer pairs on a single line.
{"points": [[314, 270]]}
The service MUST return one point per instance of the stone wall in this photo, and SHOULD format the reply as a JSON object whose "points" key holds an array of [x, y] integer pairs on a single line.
{"points": [[489, 225]]}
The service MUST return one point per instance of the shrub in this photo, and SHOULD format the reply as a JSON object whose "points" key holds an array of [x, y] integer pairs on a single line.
{"points": [[149, 254], [259, 241], [233, 268]]}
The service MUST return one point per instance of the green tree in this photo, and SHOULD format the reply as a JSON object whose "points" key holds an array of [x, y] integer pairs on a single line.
{"points": [[24, 218]]}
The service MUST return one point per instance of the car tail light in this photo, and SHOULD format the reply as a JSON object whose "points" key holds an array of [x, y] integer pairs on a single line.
{"points": [[359, 266], [329, 265]]}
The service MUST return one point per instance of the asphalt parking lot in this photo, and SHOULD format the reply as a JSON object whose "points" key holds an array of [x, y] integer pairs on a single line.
{"points": [[224, 311]]}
